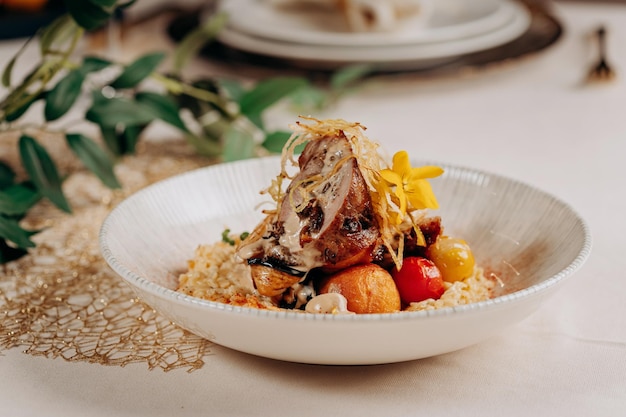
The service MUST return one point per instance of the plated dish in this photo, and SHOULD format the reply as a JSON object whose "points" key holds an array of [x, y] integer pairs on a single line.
{"points": [[530, 240], [345, 232]]}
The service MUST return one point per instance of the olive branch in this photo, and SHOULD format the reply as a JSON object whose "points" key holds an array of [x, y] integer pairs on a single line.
{"points": [[218, 117]]}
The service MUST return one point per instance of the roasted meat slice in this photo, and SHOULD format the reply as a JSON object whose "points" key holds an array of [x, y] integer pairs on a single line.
{"points": [[325, 220], [332, 217]]}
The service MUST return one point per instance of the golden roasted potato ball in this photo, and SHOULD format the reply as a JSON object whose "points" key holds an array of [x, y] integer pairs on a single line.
{"points": [[368, 289]]}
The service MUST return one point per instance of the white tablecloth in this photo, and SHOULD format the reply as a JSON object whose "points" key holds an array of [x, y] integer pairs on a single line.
{"points": [[534, 121]]}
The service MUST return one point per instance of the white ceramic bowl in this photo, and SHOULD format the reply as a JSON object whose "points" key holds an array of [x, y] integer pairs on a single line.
{"points": [[529, 238]]}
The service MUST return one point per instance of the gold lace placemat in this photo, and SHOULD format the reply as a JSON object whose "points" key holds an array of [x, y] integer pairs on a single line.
{"points": [[63, 301]]}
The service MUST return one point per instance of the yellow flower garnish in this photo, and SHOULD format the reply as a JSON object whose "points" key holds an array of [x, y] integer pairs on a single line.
{"points": [[411, 185]]}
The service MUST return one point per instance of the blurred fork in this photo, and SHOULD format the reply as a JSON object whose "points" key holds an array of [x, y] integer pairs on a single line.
{"points": [[601, 70]]}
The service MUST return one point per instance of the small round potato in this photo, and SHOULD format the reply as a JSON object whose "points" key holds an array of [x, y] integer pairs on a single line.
{"points": [[368, 289]]}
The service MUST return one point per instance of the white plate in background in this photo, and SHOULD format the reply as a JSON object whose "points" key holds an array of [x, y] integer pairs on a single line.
{"points": [[390, 54], [451, 20]]}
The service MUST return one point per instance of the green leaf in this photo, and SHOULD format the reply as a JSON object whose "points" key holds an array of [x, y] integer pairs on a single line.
{"points": [[163, 107], [7, 176], [111, 139], [8, 69], [266, 93], [349, 75], [94, 64], [196, 39], [111, 112], [9, 253], [11, 230], [87, 14], [234, 89], [204, 145], [42, 171], [121, 140], [31, 86], [130, 137], [238, 145], [226, 237], [59, 31], [94, 158], [213, 100], [214, 126], [309, 98], [63, 95], [17, 199], [126, 5], [137, 71], [19, 112], [275, 141]]}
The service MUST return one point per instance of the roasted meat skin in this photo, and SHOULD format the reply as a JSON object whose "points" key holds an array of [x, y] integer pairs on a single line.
{"points": [[326, 219], [337, 220]]}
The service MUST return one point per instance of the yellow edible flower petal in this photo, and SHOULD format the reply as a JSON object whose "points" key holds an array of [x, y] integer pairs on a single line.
{"points": [[396, 180], [420, 194], [411, 185]]}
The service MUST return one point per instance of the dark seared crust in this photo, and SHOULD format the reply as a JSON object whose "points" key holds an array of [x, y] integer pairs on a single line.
{"points": [[354, 228], [313, 216], [431, 229]]}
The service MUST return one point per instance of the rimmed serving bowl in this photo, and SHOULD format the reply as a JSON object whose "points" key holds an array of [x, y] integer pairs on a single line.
{"points": [[530, 240]]}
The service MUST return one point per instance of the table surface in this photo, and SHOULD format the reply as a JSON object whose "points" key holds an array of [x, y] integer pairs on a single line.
{"points": [[534, 121]]}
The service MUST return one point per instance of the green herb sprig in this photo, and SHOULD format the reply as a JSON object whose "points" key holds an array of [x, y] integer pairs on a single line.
{"points": [[219, 117]]}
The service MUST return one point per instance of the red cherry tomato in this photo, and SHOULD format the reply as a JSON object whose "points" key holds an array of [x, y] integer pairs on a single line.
{"points": [[418, 280]]}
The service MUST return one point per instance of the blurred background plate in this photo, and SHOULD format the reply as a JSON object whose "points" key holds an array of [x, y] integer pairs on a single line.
{"points": [[450, 20], [390, 55], [545, 30]]}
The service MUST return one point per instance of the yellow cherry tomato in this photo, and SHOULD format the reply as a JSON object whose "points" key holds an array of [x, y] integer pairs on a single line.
{"points": [[453, 257]]}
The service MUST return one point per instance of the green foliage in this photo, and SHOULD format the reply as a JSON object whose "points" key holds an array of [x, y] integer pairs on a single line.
{"points": [[42, 172], [238, 144], [266, 93], [90, 14], [224, 118], [138, 71], [195, 40], [15, 200], [63, 95], [94, 64], [275, 141], [114, 111], [10, 230], [162, 107], [57, 33], [6, 175], [93, 157], [6, 74]]}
